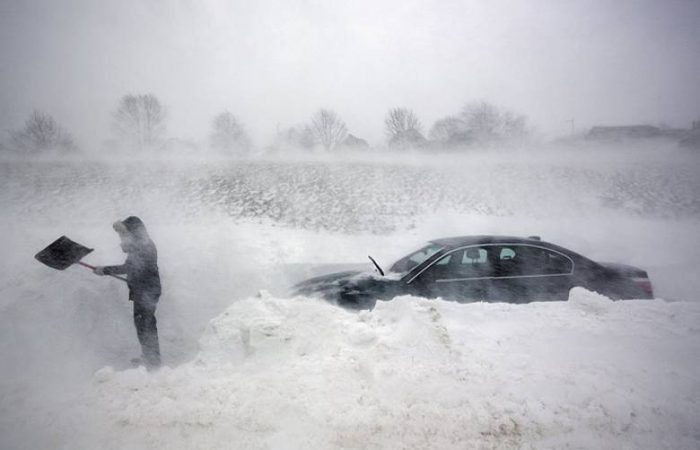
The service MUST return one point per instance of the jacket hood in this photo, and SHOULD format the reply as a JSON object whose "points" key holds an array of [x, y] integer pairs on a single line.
{"points": [[131, 227]]}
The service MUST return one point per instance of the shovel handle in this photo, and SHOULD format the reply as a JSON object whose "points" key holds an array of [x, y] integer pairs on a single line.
{"points": [[93, 268]]}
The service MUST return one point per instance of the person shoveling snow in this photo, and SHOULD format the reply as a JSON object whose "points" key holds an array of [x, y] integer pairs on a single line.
{"points": [[141, 269]]}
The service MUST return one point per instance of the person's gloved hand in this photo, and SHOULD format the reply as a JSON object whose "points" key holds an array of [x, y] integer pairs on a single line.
{"points": [[99, 270]]}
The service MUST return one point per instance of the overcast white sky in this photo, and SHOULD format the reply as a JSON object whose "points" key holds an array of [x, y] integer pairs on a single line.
{"points": [[274, 62]]}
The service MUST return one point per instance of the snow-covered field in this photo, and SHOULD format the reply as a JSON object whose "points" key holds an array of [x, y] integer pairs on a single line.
{"points": [[263, 370]]}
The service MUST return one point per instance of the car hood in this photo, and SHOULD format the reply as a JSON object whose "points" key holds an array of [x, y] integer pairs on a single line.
{"points": [[328, 280], [350, 289]]}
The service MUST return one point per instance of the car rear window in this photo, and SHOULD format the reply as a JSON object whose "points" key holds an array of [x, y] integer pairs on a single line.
{"points": [[518, 260]]}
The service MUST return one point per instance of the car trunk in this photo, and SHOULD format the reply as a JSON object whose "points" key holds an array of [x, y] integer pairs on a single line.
{"points": [[635, 274]]}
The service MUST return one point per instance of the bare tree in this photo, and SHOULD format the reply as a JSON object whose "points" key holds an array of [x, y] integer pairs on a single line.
{"points": [[486, 122], [140, 120], [479, 122], [482, 120], [403, 129], [228, 133], [515, 125], [328, 129], [41, 132], [448, 129], [297, 137], [401, 120]]}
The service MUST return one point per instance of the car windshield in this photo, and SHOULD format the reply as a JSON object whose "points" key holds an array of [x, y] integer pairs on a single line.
{"points": [[407, 263]]}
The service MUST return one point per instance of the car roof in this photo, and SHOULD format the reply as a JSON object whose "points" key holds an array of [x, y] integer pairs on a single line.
{"points": [[460, 241]]}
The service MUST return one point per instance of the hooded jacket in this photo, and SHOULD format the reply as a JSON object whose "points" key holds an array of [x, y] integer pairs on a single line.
{"points": [[141, 265]]}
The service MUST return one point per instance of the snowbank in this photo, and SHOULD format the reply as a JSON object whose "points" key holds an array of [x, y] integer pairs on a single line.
{"points": [[414, 373]]}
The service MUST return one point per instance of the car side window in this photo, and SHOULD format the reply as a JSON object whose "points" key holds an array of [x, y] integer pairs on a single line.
{"points": [[444, 261], [522, 260], [465, 263], [506, 253], [473, 256], [555, 263], [508, 262]]}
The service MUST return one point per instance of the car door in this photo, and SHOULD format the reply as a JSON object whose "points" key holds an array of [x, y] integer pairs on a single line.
{"points": [[460, 275], [506, 285], [526, 273]]}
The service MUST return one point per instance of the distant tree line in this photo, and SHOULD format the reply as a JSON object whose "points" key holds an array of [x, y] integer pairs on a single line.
{"points": [[139, 121], [139, 125], [40, 134], [477, 124]]}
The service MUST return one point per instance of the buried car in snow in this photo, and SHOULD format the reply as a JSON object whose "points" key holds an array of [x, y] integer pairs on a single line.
{"points": [[482, 268]]}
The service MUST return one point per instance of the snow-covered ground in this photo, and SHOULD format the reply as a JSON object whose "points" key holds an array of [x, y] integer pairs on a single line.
{"points": [[251, 370], [414, 373]]}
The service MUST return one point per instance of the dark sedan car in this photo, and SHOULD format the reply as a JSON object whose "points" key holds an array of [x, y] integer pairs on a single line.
{"points": [[482, 268]]}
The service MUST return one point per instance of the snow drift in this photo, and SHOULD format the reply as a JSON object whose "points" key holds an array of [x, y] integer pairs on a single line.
{"points": [[299, 373]]}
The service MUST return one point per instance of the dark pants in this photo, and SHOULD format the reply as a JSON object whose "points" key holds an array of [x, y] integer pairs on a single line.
{"points": [[147, 332]]}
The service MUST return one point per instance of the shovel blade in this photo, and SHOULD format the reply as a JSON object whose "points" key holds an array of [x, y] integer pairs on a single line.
{"points": [[62, 253]]}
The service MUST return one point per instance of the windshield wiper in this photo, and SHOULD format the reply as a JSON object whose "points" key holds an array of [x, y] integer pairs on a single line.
{"points": [[381, 272]]}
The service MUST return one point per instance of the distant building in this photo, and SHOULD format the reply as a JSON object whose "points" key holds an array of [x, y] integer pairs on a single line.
{"points": [[692, 138], [635, 132], [355, 142], [624, 133], [410, 138]]}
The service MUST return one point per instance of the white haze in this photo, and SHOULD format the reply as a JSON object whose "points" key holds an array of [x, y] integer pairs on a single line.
{"points": [[273, 63]]}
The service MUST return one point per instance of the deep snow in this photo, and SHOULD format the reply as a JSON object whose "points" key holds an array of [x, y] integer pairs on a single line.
{"points": [[249, 371], [299, 373], [414, 373]]}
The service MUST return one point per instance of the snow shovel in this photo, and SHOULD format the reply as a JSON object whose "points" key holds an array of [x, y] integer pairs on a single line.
{"points": [[63, 253]]}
